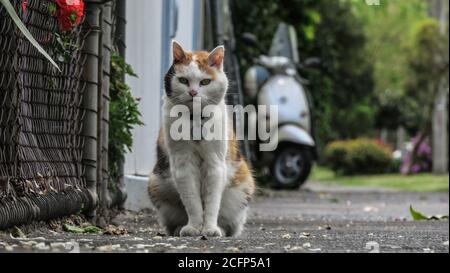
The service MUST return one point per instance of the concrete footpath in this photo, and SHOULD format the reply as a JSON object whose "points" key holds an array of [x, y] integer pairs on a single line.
{"points": [[319, 218]]}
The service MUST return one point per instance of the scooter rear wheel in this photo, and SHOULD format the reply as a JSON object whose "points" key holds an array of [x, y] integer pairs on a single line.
{"points": [[291, 167]]}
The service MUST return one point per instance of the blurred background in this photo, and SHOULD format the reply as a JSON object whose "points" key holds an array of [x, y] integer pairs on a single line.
{"points": [[378, 95]]}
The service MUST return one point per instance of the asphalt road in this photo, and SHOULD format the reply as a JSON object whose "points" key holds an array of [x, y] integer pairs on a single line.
{"points": [[319, 218]]}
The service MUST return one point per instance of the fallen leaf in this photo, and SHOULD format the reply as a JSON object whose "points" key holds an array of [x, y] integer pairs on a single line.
{"points": [[315, 249], [108, 248], [417, 216], [232, 249], [304, 235], [394, 247], [179, 247], [142, 246], [28, 243], [428, 250], [42, 246], [75, 229], [58, 245], [85, 240], [370, 209], [92, 229], [115, 230], [17, 233], [334, 200], [295, 248]]}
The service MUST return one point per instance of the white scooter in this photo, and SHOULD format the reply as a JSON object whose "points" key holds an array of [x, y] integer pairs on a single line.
{"points": [[274, 81]]}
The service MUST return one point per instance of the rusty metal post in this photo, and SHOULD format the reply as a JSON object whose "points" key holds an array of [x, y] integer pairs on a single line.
{"points": [[90, 96], [119, 41], [105, 45]]}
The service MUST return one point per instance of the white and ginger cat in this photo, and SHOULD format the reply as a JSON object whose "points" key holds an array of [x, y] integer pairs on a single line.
{"points": [[199, 187]]}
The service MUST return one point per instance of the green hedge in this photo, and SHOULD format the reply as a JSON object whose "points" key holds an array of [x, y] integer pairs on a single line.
{"points": [[358, 156]]}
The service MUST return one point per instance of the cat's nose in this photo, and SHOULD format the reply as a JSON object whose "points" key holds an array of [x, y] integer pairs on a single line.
{"points": [[193, 93]]}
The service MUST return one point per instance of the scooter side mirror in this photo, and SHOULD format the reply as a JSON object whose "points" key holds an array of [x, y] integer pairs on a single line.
{"points": [[312, 62], [250, 39]]}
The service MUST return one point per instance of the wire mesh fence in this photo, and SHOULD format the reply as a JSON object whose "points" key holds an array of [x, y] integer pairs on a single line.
{"points": [[53, 125]]}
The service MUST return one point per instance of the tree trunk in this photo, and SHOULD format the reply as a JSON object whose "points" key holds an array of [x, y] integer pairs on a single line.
{"points": [[439, 10], [426, 127]]}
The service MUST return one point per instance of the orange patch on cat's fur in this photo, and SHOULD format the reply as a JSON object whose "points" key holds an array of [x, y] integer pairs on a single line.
{"points": [[160, 140], [201, 58], [244, 176], [233, 149], [153, 189]]}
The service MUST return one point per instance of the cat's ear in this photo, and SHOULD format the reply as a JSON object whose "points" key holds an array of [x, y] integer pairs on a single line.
{"points": [[179, 55], [216, 56]]}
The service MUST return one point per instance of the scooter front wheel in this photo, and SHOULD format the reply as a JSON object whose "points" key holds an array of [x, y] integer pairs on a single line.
{"points": [[291, 167]]}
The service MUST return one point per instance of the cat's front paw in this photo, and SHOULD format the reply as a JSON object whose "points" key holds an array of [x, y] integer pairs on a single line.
{"points": [[212, 232], [189, 231]]}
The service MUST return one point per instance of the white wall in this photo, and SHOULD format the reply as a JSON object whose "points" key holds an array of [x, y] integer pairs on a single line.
{"points": [[145, 53], [144, 31], [185, 28], [144, 19]]}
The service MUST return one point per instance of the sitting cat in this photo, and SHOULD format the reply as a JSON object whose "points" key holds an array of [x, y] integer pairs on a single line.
{"points": [[199, 187]]}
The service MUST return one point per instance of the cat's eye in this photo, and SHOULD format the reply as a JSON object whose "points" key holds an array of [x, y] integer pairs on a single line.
{"points": [[183, 81], [205, 82]]}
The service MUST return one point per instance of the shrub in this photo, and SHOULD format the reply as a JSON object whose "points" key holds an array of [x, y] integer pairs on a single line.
{"points": [[123, 115], [359, 156]]}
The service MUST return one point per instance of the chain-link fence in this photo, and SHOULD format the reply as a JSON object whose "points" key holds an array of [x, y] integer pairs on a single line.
{"points": [[53, 125]]}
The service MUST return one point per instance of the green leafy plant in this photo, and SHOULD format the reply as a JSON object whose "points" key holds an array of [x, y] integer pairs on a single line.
{"points": [[65, 46], [124, 114], [358, 156]]}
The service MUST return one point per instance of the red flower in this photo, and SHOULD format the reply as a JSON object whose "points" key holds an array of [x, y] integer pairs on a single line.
{"points": [[24, 5], [69, 13]]}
